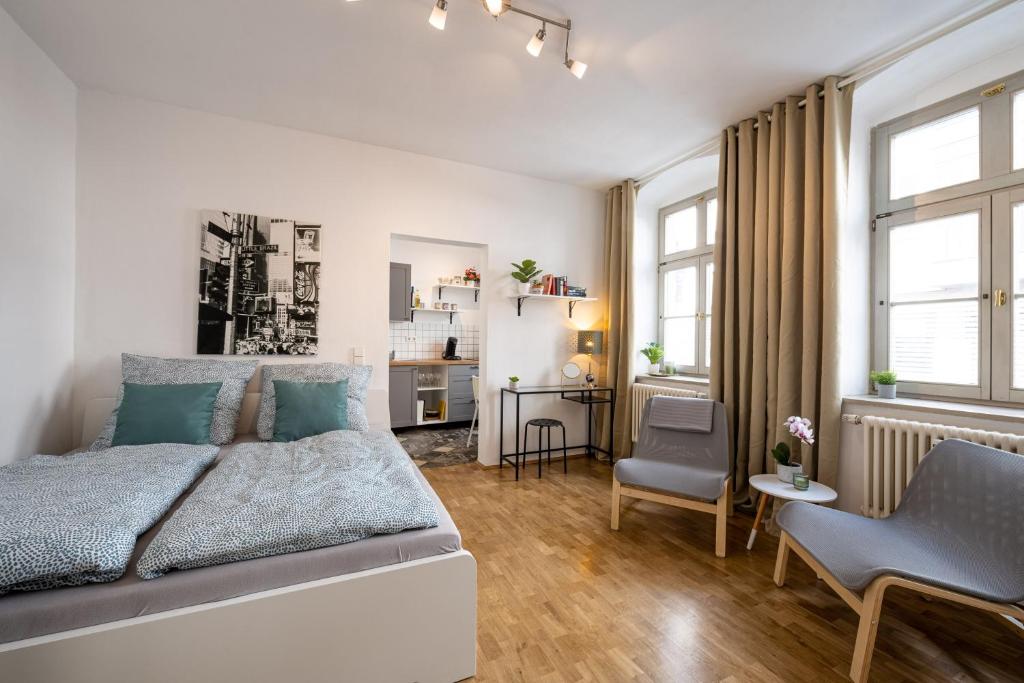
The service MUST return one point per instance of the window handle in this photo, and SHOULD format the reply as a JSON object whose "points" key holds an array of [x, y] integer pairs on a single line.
{"points": [[999, 297]]}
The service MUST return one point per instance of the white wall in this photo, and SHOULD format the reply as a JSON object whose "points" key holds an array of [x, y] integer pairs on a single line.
{"points": [[37, 264], [145, 170], [969, 58]]}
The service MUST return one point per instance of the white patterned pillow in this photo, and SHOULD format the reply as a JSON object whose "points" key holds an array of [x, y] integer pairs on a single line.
{"points": [[358, 377], [234, 375]]}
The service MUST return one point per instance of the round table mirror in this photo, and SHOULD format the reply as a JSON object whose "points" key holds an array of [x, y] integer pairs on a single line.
{"points": [[571, 371]]}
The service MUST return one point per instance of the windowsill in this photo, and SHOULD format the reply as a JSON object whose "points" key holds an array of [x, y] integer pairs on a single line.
{"points": [[975, 410], [679, 379]]}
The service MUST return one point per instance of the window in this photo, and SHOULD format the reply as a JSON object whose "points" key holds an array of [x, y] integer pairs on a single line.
{"points": [[685, 273], [949, 246]]}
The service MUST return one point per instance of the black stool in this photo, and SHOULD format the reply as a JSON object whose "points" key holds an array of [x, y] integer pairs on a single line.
{"points": [[541, 423]]}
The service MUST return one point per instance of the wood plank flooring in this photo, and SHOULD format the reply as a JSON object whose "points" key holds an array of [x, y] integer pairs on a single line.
{"points": [[563, 598]]}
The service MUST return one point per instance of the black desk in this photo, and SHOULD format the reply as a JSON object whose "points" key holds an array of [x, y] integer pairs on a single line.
{"points": [[583, 395]]}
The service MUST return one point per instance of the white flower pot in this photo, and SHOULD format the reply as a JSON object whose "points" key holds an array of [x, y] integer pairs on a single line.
{"points": [[513, 385], [886, 390], [654, 369], [523, 288], [785, 472]]}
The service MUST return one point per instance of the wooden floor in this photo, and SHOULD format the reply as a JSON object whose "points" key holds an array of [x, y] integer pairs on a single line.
{"points": [[564, 598]]}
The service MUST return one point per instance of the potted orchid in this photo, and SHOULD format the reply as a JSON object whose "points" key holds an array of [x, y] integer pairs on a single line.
{"points": [[800, 429]]}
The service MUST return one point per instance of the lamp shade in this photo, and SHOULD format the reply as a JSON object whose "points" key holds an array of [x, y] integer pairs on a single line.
{"points": [[590, 341]]}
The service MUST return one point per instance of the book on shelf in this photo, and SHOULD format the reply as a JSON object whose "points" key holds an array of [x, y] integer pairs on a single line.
{"points": [[558, 285]]}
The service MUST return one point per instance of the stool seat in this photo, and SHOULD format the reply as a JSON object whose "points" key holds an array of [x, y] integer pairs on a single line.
{"points": [[544, 422]]}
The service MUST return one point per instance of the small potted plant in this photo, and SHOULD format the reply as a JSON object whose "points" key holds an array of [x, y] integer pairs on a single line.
{"points": [[653, 352], [513, 383], [885, 383], [472, 277], [523, 273], [786, 467]]}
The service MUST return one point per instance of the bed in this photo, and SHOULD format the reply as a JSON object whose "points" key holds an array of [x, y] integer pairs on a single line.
{"points": [[398, 607]]}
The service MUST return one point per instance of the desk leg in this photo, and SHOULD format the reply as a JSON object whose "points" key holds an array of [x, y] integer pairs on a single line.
{"points": [[761, 505], [590, 437], [611, 430], [517, 438], [501, 430]]}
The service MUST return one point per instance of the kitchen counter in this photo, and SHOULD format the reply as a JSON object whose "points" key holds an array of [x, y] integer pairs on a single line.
{"points": [[432, 361]]}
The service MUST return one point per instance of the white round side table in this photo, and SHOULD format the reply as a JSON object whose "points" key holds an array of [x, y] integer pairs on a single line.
{"points": [[771, 486]]}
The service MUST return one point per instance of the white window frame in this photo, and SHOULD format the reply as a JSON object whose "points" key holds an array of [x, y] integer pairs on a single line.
{"points": [[700, 257], [998, 188]]}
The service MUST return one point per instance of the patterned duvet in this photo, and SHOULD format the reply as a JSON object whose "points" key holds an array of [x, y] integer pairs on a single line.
{"points": [[73, 519], [274, 498]]}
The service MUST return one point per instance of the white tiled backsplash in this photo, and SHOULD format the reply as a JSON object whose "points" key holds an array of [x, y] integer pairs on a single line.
{"points": [[425, 341]]}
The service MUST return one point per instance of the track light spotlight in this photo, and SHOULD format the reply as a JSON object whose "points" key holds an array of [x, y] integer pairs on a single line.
{"points": [[439, 14], [495, 7], [536, 43], [577, 67]]}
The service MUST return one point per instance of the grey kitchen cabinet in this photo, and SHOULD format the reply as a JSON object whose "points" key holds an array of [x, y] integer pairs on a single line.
{"points": [[400, 292], [402, 383], [460, 392]]}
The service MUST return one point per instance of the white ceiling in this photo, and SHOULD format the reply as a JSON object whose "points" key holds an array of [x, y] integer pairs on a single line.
{"points": [[665, 75]]}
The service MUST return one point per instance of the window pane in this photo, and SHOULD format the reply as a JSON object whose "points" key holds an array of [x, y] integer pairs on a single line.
{"points": [[936, 154], [709, 287], [935, 342], [681, 341], [707, 341], [680, 294], [934, 259], [712, 225], [1018, 130], [1018, 295], [681, 230]]}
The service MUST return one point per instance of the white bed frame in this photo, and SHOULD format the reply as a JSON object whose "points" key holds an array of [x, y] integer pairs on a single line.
{"points": [[413, 621]]}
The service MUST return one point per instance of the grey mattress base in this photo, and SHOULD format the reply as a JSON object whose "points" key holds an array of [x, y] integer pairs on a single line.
{"points": [[37, 613]]}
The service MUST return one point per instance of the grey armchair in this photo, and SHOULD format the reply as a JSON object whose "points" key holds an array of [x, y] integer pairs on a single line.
{"points": [[956, 534], [681, 459]]}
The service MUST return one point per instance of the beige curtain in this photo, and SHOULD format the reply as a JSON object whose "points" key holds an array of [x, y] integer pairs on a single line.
{"points": [[775, 325], [620, 209]]}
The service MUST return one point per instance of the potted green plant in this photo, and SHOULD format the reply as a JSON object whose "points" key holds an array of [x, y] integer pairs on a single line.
{"points": [[653, 352], [785, 466], [885, 383], [523, 273], [513, 383]]}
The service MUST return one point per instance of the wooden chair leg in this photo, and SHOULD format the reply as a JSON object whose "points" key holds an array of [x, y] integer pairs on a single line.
{"points": [[870, 612], [721, 515], [616, 500], [782, 560]]}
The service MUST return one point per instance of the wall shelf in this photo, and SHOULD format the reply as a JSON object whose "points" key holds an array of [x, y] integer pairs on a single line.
{"points": [[573, 300], [476, 290], [412, 313]]}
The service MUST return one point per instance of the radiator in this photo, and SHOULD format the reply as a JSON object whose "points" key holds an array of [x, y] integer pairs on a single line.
{"points": [[893, 449], [642, 392]]}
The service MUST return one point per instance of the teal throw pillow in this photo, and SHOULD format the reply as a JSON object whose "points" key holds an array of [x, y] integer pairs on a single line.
{"points": [[165, 413], [309, 408]]}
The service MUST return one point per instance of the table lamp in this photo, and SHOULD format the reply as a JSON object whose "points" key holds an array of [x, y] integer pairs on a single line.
{"points": [[590, 342]]}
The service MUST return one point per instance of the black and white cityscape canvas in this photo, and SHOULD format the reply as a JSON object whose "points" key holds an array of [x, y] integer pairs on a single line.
{"points": [[259, 285]]}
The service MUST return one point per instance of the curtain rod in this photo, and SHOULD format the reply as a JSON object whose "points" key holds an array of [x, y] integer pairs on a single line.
{"points": [[859, 73]]}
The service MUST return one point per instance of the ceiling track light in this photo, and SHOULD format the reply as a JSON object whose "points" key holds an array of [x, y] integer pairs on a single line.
{"points": [[536, 43], [496, 8], [439, 15]]}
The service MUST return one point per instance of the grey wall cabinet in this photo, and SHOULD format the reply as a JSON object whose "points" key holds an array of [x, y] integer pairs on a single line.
{"points": [[400, 292], [402, 395]]}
